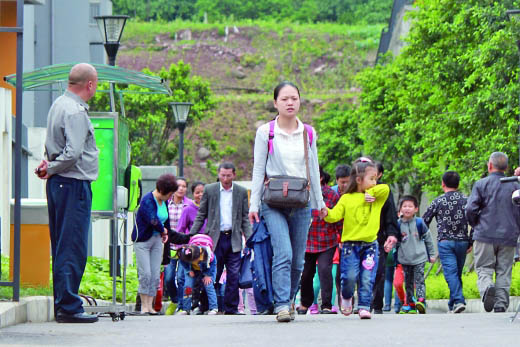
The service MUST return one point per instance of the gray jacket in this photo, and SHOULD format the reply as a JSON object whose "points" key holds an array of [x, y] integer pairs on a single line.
{"points": [[210, 209], [414, 249], [491, 213], [70, 144]]}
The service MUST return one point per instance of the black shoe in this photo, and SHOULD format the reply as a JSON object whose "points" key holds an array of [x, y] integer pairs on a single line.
{"points": [[234, 313], [327, 311], [265, 312], [301, 310], [378, 311], [76, 318], [489, 298], [500, 309]]}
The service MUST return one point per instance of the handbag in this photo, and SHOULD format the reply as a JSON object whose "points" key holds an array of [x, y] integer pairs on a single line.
{"points": [[284, 191]]}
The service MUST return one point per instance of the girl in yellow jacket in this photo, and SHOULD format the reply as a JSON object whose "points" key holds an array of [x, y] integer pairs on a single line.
{"points": [[360, 208]]}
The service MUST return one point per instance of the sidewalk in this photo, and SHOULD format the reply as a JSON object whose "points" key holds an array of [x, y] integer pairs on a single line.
{"points": [[38, 309], [34, 309]]}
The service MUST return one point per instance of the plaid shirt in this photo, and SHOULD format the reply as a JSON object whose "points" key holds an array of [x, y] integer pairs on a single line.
{"points": [[175, 213], [323, 235]]}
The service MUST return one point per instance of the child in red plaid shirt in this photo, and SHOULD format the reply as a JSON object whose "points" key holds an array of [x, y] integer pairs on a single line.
{"points": [[321, 245]]}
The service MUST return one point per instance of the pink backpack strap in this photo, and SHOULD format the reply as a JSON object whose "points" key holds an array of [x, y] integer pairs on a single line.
{"points": [[271, 136], [310, 132]]}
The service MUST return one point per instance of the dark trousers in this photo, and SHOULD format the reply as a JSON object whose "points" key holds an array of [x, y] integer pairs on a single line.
{"points": [[231, 260], [379, 285], [69, 203], [325, 274]]}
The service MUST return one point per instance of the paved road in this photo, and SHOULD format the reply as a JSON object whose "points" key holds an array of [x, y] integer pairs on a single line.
{"points": [[317, 331]]}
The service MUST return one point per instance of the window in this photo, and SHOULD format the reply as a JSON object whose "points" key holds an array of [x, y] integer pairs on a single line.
{"points": [[94, 11]]}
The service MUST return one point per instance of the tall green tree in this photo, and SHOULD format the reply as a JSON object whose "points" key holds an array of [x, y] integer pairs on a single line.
{"points": [[448, 100], [150, 118]]}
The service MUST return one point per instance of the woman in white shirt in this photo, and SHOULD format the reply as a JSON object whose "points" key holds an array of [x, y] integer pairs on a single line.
{"points": [[288, 227]]}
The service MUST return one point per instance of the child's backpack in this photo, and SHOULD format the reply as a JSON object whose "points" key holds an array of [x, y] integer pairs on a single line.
{"points": [[271, 135], [421, 229], [204, 241]]}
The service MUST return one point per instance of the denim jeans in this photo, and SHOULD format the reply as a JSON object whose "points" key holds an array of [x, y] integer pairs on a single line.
{"points": [[359, 261], [453, 256], [170, 272], [389, 287], [189, 283], [288, 228]]}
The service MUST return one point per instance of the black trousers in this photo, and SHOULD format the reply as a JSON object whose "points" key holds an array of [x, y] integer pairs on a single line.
{"points": [[378, 292], [231, 260], [69, 202], [325, 274]]}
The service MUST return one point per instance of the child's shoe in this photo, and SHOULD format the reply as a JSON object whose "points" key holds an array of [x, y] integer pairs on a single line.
{"points": [[407, 309], [364, 314], [421, 306], [313, 309], [182, 313], [196, 311], [213, 312], [335, 309], [171, 309], [283, 316], [346, 306], [292, 312], [387, 308]]}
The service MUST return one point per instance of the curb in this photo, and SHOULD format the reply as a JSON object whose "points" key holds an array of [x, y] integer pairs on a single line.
{"points": [[35, 309], [472, 305]]}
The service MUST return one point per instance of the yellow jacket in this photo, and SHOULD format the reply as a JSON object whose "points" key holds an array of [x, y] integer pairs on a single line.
{"points": [[361, 220]]}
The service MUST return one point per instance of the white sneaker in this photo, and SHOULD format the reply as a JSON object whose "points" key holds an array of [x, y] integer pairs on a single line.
{"points": [[459, 308], [182, 313], [212, 312]]}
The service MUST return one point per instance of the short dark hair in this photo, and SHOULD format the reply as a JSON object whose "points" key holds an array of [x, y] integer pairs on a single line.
{"points": [[195, 185], [281, 85], [342, 170], [451, 179], [166, 183], [226, 165], [411, 198], [380, 168], [189, 253], [324, 176]]}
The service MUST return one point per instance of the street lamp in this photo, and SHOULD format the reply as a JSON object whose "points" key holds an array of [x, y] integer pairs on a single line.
{"points": [[111, 29], [181, 111], [514, 17]]}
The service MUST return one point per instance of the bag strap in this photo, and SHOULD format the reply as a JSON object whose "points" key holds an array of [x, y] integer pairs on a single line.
{"points": [[306, 135]]}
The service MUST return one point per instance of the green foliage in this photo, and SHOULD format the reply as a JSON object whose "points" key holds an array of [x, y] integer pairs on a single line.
{"points": [[306, 11], [150, 118], [447, 101], [96, 282]]}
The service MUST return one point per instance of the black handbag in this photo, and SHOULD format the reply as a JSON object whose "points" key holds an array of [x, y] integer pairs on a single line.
{"points": [[289, 191]]}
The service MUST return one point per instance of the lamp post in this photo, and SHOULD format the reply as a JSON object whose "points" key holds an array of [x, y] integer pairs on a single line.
{"points": [[111, 29], [181, 111], [514, 17]]}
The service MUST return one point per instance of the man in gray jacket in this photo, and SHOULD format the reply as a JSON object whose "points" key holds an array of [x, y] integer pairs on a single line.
{"points": [[496, 225], [225, 206], [71, 165]]}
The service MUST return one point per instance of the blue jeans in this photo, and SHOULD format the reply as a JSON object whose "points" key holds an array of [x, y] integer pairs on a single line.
{"points": [[288, 228], [453, 256], [169, 280], [359, 261], [389, 287], [189, 283]]}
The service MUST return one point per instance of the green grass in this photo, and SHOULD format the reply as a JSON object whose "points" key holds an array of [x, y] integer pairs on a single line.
{"points": [[366, 36], [437, 288], [96, 282]]}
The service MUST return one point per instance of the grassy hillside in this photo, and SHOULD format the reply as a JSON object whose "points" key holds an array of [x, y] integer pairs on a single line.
{"points": [[243, 63]]}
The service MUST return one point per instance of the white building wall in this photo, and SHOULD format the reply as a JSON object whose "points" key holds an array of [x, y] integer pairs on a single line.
{"points": [[5, 164]]}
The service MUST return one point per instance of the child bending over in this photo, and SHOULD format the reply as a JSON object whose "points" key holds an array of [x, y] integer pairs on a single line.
{"points": [[198, 264]]}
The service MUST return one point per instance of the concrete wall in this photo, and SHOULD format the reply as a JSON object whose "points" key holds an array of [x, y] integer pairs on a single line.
{"points": [[401, 30]]}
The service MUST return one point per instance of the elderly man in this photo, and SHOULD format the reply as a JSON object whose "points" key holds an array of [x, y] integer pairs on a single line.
{"points": [[72, 163], [496, 226]]}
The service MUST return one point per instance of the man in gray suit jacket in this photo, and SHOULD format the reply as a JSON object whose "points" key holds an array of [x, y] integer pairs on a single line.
{"points": [[225, 206]]}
